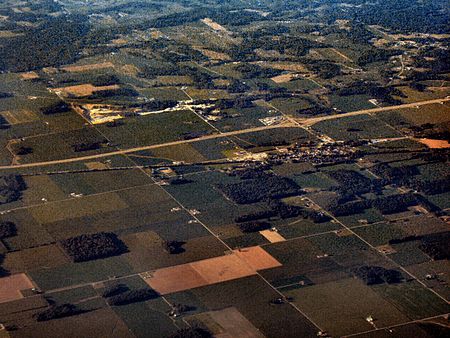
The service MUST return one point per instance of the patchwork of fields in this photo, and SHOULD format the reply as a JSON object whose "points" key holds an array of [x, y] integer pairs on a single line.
{"points": [[200, 169]]}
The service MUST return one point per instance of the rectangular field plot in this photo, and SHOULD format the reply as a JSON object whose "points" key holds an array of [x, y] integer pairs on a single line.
{"points": [[62, 145], [251, 296], [341, 307], [300, 258], [413, 299], [356, 127], [11, 287], [241, 263], [155, 128]]}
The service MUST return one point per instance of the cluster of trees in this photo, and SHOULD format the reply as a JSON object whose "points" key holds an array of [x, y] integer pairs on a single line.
{"points": [[406, 176], [429, 130], [250, 71], [324, 69], [436, 245], [237, 86], [257, 215], [192, 332], [56, 108], [156, 105], [55, 42], [358, 33], [114, 290], [437, 63], [280, 210], [7, 229], [386, 205], [11, 188], [284, 210], [404, 16], [162, 69], [254, 226], [132, 296], [120, 92], [4, 95], [238, 102], [285, 44], [371, 275], [185, 53], [393, 175], [179, 180], [57, 311], [86, 146], [375, 91], [352, 184], [105, 80], [430, 187], [94, 246], [267, 31], [24, 151], [259, 189], [375, 55], [174, 247]]}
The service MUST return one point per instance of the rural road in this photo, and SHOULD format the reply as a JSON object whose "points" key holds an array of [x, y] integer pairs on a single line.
{"points": [[298, 123], [314, 120]]}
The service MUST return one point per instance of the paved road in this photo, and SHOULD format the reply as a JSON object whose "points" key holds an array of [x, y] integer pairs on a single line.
{"points": [[314, 120], [291, 124], [154, 146]]}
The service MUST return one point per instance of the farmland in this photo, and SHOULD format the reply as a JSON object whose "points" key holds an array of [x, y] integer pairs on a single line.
{"points": [[224, 169]]}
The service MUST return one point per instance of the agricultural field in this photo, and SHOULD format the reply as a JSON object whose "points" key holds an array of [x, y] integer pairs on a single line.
{"points": [[259, 169]]}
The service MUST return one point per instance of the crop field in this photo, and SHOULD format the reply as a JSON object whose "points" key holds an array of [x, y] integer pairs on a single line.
{"points": [[154, 129], [191, 168], [250, 297], [436, 113], [11, 287], [358, 301], [357, 127]]}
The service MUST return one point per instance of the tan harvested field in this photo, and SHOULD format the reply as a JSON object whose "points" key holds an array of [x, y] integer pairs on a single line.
{"points": [[221, 269], [175, 278], [214, 55], [434, 144], [29, 76], [119, 41], [257, 258], [214, 25], [9, 34], [19, 116], [129, 70], [84, 68], [238, 264], [11, 286], [288, 66], [84, 89], [272, 236], [283, 78], [96, 165]]}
